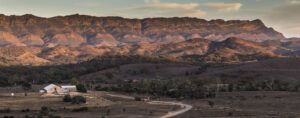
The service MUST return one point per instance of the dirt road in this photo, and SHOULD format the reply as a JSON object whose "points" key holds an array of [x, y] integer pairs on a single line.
{"points": [[185, 107]]}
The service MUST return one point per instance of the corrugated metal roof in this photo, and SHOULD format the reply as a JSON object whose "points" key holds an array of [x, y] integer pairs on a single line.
{"points": [[49, 86], [68, 86]]}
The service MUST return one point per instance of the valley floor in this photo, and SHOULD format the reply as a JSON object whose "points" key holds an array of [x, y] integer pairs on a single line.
{"points": [[99, 106], [250, 104]]}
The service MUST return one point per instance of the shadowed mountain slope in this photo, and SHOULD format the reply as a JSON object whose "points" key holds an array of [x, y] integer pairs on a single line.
{"points": [[203, 48]]}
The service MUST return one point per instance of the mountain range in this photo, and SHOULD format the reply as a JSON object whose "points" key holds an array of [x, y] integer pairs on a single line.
{"points": [[78, 30], [29, 39]]}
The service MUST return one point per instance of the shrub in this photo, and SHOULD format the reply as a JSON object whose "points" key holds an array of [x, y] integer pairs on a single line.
{"points": [[26, 86], [81, 109], [137, 99], [78, 100], [67, 98], [74, 81], [25, 110], [52, 116], [5, 110], [81, 88], [98, 88], [109, 75], [230, 113], [44, 111], [211, 103], [8, 116]]}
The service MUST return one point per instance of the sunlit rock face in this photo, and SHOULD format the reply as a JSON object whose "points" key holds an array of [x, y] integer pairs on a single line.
{"points": [[78, 30]]}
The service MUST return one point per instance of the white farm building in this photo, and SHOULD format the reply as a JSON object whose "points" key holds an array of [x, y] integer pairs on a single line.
{"points": [[69, 88], [54, 89]]}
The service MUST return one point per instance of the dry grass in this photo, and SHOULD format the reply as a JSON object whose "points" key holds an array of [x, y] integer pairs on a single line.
{"points": [[35, 101], [247, 105], [98, 104]]}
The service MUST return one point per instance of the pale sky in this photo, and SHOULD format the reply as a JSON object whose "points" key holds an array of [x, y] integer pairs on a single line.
{"points": [[282, 15]]}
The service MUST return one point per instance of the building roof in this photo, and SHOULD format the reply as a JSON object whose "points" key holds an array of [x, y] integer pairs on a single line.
{"points": [[49, 86], [68, 86]]}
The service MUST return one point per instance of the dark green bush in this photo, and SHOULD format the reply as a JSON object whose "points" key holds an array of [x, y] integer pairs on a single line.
{"points": [[109, 75], [53, 116], [81, 109], [44, 111], [211, 103], [98, 88], [137, 99], [8, 116], [25, 110], [81, 88], [67, 98], [78, 100], [5, 110]]}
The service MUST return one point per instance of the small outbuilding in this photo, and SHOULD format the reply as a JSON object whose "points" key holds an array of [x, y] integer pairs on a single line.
{"points": [[69, 88]]}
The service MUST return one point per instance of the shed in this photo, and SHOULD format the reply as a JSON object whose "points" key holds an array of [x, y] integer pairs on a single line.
{"points": [[69, 88]]}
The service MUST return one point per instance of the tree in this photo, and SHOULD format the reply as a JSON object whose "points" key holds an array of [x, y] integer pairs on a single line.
{"points": [[211, 103], [81, 88], [44, 111], [26, 86], [109, 75], [74, 81], [78, 100], [67, 98], [270, 84]]}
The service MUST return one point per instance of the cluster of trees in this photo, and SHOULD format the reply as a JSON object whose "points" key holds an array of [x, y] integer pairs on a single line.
{"points": [[16, 75], [197, 89], [75, 99], [251, 84], [80, 87], [235, 58], [175, 88]]}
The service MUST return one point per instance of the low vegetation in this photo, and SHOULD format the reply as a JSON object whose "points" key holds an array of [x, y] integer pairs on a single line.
{"points": [[81, 109], [197, 89], [75, 99], [175, 88], [81, 88], [44, 111], [67, 98], [17, 75], [78, 100], [7, 110]]}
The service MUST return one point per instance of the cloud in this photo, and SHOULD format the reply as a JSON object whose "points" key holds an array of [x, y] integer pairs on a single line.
{"points": [[225, 7], [152, 1], [286, 13], [294, 2], [286, 17], [171, 9], [169, 6]]}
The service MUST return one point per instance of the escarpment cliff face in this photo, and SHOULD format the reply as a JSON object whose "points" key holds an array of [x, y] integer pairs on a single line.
{"points": [[79, 30]]}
